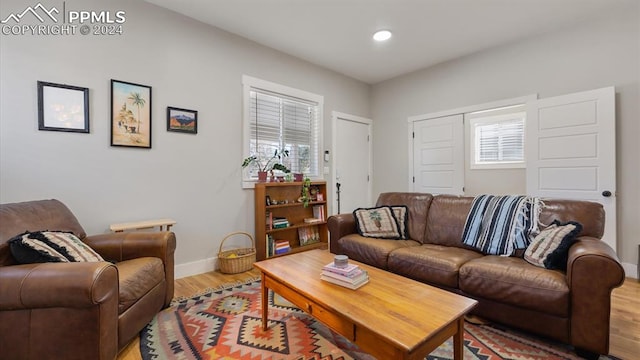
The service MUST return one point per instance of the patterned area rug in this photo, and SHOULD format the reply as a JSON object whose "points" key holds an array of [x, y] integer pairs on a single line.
{"points": [[226, 324]]}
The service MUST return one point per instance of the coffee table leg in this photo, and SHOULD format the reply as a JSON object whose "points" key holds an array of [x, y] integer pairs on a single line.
{"points": [[458, 341], [265, 302]]}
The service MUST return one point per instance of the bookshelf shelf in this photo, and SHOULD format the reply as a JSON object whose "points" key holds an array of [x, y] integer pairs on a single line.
{"points": [[287, 208]]}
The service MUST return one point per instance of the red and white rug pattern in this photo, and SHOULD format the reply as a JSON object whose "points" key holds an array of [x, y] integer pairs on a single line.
{"points": [[227, 324]]}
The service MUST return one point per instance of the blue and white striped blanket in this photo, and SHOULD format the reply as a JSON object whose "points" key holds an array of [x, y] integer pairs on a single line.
{"points": [[498, 225]]}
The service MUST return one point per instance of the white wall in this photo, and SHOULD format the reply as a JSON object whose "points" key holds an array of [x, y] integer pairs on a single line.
{"points": [[194, 179], [592, 55]]}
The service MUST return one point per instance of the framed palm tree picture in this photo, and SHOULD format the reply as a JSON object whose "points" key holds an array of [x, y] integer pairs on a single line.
{"points": [[130, 114]]}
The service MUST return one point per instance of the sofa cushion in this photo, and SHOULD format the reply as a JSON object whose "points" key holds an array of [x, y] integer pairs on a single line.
{"points": [[550, 248], [377, 222], [136, 278], [446, 219], [418, 205], [50, 246], [372, 251], [513, 281], [433, 264]]}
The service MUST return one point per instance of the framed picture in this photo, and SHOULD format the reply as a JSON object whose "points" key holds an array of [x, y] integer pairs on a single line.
{"points": [[182, 120], [63, 107], [130, 114]]}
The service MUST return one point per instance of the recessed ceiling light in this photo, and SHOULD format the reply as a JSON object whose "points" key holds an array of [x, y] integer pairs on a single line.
{"points": [[382, 35]]}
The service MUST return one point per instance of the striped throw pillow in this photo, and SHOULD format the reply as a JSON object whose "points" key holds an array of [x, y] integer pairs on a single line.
{"points": [[550, 248], [50, 246], [402, 214]]}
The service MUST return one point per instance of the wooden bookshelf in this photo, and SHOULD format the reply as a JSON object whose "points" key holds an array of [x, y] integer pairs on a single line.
{"points": [[284, 204]]}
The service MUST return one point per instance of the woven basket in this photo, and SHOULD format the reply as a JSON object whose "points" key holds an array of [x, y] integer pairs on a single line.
{"points": [[244, 259]]}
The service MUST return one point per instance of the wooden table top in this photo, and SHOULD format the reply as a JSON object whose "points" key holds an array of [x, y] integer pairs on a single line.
{"points": [[405, 312]]}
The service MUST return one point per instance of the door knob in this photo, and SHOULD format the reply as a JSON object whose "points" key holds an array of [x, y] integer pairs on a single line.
{"points": [[606, 193]]}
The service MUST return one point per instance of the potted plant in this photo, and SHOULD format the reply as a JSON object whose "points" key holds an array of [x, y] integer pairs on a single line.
{"points": [[305, 196], [269, 165]]}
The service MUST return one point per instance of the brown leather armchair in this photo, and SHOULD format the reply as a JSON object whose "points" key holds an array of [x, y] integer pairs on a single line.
{"points": [[79, 310]]}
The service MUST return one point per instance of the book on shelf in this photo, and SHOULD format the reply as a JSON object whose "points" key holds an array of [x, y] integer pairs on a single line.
{"points": [[308, 235], [348, 285], [318, 212], [312, 220], [269, 220], [270, 246]]}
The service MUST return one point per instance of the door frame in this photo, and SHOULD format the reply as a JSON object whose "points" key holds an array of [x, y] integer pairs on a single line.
{"points": [[335, 116]]}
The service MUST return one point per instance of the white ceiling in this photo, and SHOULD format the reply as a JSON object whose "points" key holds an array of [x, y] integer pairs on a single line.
{"points": [[336, 34]]}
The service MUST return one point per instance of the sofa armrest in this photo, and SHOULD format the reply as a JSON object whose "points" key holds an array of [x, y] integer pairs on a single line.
{"points": [[130, 245], [340, 226], [593, 271]]}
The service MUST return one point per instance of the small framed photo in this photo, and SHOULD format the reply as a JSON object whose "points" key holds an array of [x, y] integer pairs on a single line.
{"points": [[320, 197], [182, 120], [130, 114], [63, 107]]}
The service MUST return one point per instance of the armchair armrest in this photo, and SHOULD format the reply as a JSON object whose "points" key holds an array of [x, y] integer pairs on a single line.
{"points": [[60, 310], [593, 271], [47, 285], [130, 245], [339, 226]]}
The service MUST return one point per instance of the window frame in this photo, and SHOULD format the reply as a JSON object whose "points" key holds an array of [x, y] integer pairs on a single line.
{"points": [[251, 83], [495, 119]]}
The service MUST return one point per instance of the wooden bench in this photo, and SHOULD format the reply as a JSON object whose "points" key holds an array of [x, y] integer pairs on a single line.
{"points": [[139, 225]]}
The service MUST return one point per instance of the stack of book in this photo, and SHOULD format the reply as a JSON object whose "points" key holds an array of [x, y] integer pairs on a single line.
{"points": [[280, 222], [351, 276], [281, 247]]}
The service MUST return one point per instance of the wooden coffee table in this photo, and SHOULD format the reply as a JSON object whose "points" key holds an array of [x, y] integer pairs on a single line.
{"points": [[391, 317]]}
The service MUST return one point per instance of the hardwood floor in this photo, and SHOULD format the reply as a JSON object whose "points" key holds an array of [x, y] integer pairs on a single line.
{"points": [[625, 312]]}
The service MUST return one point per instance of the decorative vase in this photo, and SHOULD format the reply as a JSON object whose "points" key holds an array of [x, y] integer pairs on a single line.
{"points": [[297, 177]]}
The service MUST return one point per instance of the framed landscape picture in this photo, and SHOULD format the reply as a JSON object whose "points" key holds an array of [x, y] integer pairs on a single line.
{"points": [[182, 120], [130, 114], [63, 107]]}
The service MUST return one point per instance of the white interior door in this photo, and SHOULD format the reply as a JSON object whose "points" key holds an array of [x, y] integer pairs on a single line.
{"points": [[438, 155], [570, 150], [353, 162]]}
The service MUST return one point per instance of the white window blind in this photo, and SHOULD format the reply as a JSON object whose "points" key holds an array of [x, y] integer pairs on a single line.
{"points": [[278, 119], [497, 138]]}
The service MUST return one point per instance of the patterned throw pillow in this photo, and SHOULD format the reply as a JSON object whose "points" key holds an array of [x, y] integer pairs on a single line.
{"points": [[378, 222], [401, 212], [50, 246], [550, 248]]}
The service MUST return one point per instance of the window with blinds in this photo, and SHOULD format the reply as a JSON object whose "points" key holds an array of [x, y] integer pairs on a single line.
{"points": [[497, 138], [278, 120]]}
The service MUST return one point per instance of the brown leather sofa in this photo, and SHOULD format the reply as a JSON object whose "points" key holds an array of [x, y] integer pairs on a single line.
{"points": [[572, 307], [79, 310]]}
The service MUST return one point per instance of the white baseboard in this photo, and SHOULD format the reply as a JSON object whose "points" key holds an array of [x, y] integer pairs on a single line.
{"points": [[631, 270], [196, 267]]}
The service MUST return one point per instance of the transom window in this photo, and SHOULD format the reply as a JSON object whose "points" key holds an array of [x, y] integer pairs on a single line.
{"points": [[279, 118], [497, 138]]}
